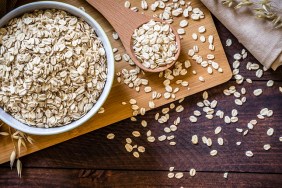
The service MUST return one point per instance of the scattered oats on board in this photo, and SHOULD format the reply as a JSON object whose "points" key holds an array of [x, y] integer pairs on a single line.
{"points": [[202, 38], [127, 4], [181, 31], [201, 29], [202, 79], [144, 4], [194, 36], [115, 36], [183, 23]]}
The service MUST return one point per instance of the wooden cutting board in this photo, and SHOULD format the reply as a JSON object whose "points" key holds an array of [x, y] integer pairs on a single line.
{"points": [[114, 110]]}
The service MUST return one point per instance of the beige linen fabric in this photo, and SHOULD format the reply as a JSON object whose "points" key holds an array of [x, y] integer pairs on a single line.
{"points": [[257, 35]]}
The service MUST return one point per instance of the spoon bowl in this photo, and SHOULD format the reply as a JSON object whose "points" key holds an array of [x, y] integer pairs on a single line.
{"points": [[125, 22]]}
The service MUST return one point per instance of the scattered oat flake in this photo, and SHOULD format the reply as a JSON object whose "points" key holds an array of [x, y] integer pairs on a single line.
{"points": [[270, 132], [127, 4], [178, 175], [205, 95], [266, 147], [270, 83], [217, 130], [170, 175], [128, 147], [144, 123], [151, 139], [257, 92], [110, 136], [194, 36], [192, 172], [136, 154], [228, 42], [202, 79], [225, 175], [193, 119], [136, 134], [249, 153], [220, 141], [194, 139], [141, 149], [213, 152], [179, 108], [128, 140], [201, 29]]}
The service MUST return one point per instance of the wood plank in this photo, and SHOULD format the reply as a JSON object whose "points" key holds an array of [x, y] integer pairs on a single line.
{"points": [[114, 110], [93, 150], [110, 178]]}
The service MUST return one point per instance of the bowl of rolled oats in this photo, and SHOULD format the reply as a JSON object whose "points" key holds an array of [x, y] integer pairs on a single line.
{"points": [[56, 67]]}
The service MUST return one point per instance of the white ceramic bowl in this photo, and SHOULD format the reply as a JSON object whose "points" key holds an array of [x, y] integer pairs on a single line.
{"points": [[8, 119]]}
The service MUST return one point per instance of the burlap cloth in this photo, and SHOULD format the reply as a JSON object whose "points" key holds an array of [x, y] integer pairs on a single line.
{"points": [[258, 36]]}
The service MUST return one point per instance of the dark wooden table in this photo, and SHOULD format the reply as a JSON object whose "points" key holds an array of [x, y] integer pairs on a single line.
{"points": [[93, 160]]}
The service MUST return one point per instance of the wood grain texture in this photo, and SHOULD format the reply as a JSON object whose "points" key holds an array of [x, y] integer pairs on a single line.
{"points": [[114, 111], [111, 178], [94, 150]]}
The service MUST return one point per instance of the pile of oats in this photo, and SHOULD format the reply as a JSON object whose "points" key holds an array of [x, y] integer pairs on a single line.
{"points": [[52, 68], [154, 44]]}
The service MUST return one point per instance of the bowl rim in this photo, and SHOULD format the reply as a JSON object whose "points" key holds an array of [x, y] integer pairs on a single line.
{"points": [[11, 121]]}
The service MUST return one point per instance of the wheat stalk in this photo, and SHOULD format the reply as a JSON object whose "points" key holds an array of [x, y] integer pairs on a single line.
{"points": [[17, 138], [262, 9]]}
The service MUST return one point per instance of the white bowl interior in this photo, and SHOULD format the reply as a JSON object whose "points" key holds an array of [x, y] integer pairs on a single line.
{"points": [[8, 119]]}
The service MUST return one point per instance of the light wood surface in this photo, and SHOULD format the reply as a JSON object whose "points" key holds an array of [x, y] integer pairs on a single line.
{"points": [[114, 110], [125, 21]]}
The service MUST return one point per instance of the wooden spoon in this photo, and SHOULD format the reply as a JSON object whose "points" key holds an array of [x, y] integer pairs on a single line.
{"points": [[125, 21]]}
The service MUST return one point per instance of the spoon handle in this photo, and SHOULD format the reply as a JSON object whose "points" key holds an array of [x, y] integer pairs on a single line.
{"points": [[124, 21]]}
